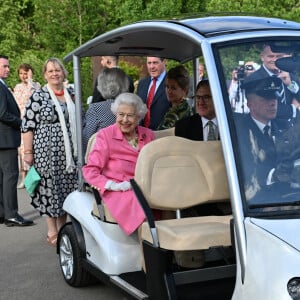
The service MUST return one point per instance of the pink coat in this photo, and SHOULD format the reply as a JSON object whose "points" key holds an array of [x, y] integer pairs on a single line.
{"points": [[112, 158]]}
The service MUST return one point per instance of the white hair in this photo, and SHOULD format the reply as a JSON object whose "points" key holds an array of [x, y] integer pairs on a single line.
{"points": [[130, 99]]}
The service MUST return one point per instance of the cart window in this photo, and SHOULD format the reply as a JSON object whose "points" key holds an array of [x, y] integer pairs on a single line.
{"points": [[263, 93]]}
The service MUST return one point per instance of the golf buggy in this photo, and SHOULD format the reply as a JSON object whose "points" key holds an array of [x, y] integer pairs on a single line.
{"points": [[250, 250]]}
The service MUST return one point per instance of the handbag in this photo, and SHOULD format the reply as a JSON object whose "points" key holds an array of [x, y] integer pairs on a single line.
{"points": [[32, 180]]}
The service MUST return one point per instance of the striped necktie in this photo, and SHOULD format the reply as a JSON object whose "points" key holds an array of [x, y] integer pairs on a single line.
{"points": [[211, 131]]}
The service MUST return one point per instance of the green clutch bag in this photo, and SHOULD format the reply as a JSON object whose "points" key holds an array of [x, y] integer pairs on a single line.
{"points": [[32, 180]]}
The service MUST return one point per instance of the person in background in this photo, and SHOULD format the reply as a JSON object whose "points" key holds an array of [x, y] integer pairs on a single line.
{"points": [[177, 87], [289, 94], [50, 145], [152, 91], [201, 72], [10, 123], [22, 91], [203, 124], [111, 83], [108, 62], [111, 163], [237, 98]]}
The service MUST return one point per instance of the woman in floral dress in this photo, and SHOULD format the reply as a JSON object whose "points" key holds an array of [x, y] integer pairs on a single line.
{"points": [[50, 145]]}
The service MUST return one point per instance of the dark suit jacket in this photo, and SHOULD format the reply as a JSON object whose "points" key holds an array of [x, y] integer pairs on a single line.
{"points": [[10, 121], [258, 153], [285, 111], [190, 128], [258, 157], [160, 103]]}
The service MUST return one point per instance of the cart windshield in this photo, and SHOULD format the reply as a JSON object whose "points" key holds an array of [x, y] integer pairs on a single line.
{"points": [[263, 100]]}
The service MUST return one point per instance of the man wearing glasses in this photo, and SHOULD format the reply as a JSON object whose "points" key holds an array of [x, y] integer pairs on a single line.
{"points": [[203, 125]]}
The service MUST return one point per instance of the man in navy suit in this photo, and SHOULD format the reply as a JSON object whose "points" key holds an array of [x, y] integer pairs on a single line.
{"points": [[159, 105], [289, 95], [195, 127], [10, 140], [264, 172]]}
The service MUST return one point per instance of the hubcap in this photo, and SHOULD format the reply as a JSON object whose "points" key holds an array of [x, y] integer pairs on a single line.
{"points": [[66, 257]]}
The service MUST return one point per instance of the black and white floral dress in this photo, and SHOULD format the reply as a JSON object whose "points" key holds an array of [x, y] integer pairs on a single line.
{"points": [[41, 118]]}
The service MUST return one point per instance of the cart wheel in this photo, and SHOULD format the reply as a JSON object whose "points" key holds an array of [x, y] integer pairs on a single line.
{"points": [[70, 259]]}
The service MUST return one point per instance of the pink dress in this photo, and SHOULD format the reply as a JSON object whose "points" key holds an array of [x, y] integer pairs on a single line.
{"points": [[22, 93], [113, 158]]}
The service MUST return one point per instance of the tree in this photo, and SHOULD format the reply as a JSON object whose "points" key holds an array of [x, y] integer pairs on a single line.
{"points": [[277, 8], [34, 30]]}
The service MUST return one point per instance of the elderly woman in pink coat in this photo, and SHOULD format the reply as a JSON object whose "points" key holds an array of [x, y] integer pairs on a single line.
{"points": [[111, 163]]}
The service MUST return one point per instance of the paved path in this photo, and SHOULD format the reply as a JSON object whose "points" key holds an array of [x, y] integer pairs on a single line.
{"points": [[30, 268]]}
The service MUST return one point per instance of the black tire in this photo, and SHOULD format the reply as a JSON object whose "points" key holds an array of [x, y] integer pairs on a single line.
{"points": [[71, 259]]}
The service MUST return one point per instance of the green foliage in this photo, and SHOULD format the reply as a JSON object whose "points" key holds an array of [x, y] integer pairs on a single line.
{"points": [[130, 69], [34, 30], [10, 27], [271, 8]]}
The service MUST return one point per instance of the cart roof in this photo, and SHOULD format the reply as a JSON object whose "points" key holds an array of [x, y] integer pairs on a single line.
{"points": [[160, 38]]}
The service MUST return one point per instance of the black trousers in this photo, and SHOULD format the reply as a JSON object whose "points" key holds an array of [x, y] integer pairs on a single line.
{"points": [[9, 174]]}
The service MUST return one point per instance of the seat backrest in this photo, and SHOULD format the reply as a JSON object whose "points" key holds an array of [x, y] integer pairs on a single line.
{"points": [[90, 146], [158, 134], [165, 132], [177, 173]]}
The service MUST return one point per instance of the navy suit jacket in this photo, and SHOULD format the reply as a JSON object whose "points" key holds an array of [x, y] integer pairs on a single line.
{"points": [[285, 110], [160, 103], [190, 128], [10, 121]]}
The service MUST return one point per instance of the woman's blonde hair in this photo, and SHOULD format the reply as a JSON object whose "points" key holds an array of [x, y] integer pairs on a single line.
{"points": [[56, 62]]}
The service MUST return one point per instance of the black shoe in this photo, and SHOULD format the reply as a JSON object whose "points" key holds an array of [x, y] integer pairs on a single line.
{"points": [[17, 221], [1, 220]]}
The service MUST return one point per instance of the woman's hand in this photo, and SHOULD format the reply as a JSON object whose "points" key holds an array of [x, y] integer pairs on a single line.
{"points": [[29, 77], [28, 158], [120, 186]]}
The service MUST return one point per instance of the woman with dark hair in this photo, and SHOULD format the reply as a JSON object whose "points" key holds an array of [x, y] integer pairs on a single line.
{"points": [[22, 91], [177, 87]]}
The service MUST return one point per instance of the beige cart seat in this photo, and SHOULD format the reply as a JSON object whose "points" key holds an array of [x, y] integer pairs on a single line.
{"points": [[176, 173], [158, 134]]}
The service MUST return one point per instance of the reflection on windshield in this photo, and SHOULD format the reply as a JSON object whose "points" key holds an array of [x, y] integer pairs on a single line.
{"points": [[264, 95]]}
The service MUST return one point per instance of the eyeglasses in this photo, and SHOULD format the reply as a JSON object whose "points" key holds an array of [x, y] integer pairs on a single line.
{"points": [[121, 115], [205, 98]]}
